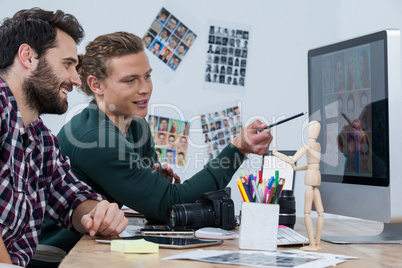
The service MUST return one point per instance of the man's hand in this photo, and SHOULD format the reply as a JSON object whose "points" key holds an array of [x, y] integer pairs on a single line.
{"points": [[168, 173], [104, 219], [356, 127], [4, 256], [252, 141]]}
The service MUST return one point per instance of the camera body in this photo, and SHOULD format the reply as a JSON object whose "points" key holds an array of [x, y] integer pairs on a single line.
{"points": [[214, 209], [223, 208]]}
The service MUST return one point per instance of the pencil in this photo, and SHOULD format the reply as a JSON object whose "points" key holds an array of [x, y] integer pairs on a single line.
{"points": [[347, 119], [250, 198], [242, 191], [257, 196], [283, 121], [260, 181], [265, 193], [278, 192], [271, 193], [242, 173], [271, 181], [276, 181]]}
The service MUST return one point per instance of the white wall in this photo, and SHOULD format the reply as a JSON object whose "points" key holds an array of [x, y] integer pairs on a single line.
{"points": [[281, 34]]}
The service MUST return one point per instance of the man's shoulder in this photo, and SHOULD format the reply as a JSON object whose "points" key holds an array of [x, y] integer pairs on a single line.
{"points": [[43, 131], [88, 129], [4, 94], [85, 121]]}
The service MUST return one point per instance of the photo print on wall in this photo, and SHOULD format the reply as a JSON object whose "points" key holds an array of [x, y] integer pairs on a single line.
{"points": [[226, 62], [219, 128], [169, 39], [171, 139]]}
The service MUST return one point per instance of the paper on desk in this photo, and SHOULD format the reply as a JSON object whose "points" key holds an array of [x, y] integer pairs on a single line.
{"points": [[264, 258], [318, 254], [130, 231]]}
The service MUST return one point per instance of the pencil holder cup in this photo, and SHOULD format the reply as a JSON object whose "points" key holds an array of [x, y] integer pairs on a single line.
{"points": [[259, 226]]}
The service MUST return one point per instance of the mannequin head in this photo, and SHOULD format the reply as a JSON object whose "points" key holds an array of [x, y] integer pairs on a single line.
{"points": [[314, 128]]}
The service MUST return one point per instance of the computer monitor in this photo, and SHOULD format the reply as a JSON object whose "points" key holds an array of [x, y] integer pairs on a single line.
{"points": [[361, 170]]}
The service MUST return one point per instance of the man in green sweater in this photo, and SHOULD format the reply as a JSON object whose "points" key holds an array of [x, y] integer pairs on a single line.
{"points": [[110, 145]]}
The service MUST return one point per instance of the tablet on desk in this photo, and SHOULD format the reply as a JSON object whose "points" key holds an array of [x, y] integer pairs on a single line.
{"points": [[166, 232], [177, 242]]}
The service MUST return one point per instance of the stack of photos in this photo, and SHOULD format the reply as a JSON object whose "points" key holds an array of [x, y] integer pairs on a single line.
{"points": [[346, 97], [219, 128], [169, 39], [226, 56], [171, 139]]}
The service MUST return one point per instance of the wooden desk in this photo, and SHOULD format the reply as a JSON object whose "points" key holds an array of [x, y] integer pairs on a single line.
{"points": [[88, 253]]}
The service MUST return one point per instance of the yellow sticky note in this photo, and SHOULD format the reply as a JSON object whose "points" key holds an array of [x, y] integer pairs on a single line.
{"points": [[134, 246]]}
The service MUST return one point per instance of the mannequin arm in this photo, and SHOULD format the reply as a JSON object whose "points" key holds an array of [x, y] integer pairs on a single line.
{"points": [[304, 167], [281, 156], [286, 158], [299, 154], [292, 160]]}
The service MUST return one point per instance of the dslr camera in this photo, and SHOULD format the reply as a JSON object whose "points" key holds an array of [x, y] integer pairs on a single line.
{"points": [[214, 209]]}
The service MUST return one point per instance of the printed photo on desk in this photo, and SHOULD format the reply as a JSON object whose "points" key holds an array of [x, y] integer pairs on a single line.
{"points": [[287, 258], [169, 39], [171, 139], [219, 127], [226, 62]]}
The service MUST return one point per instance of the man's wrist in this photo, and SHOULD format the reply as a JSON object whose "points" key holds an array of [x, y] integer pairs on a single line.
{"points": [[235, 144], [82, 209]]}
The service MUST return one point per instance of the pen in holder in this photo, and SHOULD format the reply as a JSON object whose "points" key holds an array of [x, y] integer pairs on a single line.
{"points": [[258, 226]]}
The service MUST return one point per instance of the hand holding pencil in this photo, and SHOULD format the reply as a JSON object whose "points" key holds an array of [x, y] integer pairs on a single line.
{"points": [[351, 127], [252, 141]]}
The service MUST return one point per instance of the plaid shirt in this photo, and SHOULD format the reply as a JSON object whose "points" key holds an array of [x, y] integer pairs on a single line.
{"points": [[35, 180]]}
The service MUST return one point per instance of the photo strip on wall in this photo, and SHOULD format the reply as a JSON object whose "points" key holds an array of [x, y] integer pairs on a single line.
{"points": [[171, 139], [227, 53], [169, 39], [219, 128]]}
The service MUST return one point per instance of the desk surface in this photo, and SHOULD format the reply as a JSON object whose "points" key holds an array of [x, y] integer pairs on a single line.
{"points": [[88, 253]]}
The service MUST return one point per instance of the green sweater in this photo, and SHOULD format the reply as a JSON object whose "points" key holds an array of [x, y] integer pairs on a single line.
{"points": [[120, 167]]}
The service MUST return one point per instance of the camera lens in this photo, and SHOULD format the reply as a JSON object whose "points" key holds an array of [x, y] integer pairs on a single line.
{"points": [[190, 216], [287, 209], [171, 217]]}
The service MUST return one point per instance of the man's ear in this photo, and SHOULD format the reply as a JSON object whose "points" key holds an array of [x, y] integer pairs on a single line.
{"points": [[27, 56], [95, 85]]}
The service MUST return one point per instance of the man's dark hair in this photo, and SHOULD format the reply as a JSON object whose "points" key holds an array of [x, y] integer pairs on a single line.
{"points": [[37, 28]]}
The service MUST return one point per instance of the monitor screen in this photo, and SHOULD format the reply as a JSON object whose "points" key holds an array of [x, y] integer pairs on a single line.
{"points": [[348, 88]]}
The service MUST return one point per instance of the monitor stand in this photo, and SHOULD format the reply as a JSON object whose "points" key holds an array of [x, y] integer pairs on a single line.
{"points": [[391, 234]]}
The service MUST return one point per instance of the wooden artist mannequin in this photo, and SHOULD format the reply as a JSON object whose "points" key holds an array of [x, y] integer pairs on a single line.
{"points": [[312, 180]]}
